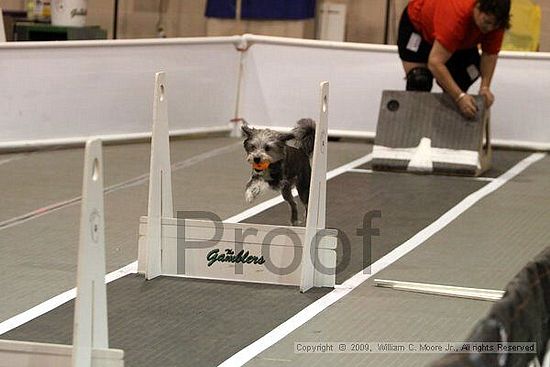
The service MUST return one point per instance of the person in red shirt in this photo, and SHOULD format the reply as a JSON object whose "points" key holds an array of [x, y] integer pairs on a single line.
{"points": [[440, 38]]}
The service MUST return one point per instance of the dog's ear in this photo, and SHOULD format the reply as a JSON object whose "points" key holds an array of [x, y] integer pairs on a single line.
{"points": [[286, 136], [246, 130]]}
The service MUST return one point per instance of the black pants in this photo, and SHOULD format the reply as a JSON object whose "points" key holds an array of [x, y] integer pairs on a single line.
{"points": [[463, 64]]}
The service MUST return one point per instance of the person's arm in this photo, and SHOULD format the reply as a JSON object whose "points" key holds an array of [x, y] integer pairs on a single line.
{"points": [[487, 66], [439, 56]]}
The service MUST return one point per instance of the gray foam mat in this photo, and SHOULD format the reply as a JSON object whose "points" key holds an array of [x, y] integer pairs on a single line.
{"points": [[407, 204], [483, 248], [179, 322], [183, 322]]}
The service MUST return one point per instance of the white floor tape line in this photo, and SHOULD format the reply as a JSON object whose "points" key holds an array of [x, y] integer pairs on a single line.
{"points": [[139, 180], [58, 300], [12, 159], [281, 331], [361, 170]]}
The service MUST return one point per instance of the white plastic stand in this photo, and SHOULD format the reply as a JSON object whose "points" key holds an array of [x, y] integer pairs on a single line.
{"points": [[269, 254], [442, 290], [315, 221], [90, 333], [160, 187], [90, 320], [2, 29]]}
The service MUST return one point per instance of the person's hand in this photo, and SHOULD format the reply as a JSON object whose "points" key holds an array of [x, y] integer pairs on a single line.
{"points": [[467, 105], [488, 96]]}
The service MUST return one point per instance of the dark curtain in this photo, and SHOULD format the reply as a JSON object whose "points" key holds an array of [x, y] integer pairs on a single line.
{"points": [[522, 315]]}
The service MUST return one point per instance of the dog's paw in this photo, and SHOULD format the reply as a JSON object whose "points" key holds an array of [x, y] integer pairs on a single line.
{"points": [[253, 190], [249, 196], [251, 193], [297, 223]]}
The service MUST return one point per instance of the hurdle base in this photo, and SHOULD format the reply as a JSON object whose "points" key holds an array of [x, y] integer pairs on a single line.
{"points": [[29, 354], [191, 261], [446, 169]]}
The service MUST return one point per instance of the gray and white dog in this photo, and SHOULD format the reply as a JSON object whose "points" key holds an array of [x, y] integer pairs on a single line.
{"points": [[278, 165]]}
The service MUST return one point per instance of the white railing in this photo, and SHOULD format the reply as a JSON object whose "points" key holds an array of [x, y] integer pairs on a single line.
{"points": [[63, 92], [57, 93]]}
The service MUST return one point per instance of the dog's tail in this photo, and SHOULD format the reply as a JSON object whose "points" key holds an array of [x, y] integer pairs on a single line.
{"points": [[304, 134]]}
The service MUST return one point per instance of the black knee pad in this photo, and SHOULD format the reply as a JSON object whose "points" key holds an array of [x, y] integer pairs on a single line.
{"points": [[420, 79]]}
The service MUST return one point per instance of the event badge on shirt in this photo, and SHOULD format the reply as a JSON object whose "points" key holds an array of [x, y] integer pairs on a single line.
{"points": [[414, 42], [472, 72]]}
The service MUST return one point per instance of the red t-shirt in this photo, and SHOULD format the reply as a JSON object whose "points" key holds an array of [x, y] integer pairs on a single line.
{"points": [[451, 23]]}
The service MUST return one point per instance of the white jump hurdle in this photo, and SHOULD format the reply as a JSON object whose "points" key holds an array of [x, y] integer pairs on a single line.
{"points": [[90, 334], [234, 251]]}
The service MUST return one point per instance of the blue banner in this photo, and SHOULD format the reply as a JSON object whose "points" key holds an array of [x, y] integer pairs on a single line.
{"points": [[262, 9]]}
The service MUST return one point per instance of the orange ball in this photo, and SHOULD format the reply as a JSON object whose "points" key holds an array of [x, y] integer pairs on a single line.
{"points": [[262, 166]]}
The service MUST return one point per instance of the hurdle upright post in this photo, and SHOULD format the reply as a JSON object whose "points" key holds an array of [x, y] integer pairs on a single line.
{"points": [[160, 187], [90, 346], [316, 213], [90, 317]]}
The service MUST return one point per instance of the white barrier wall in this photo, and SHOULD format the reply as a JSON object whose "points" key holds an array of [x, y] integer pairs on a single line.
{"points": [[59, 92], [66, 91], [281, 75], [522, 108]]}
